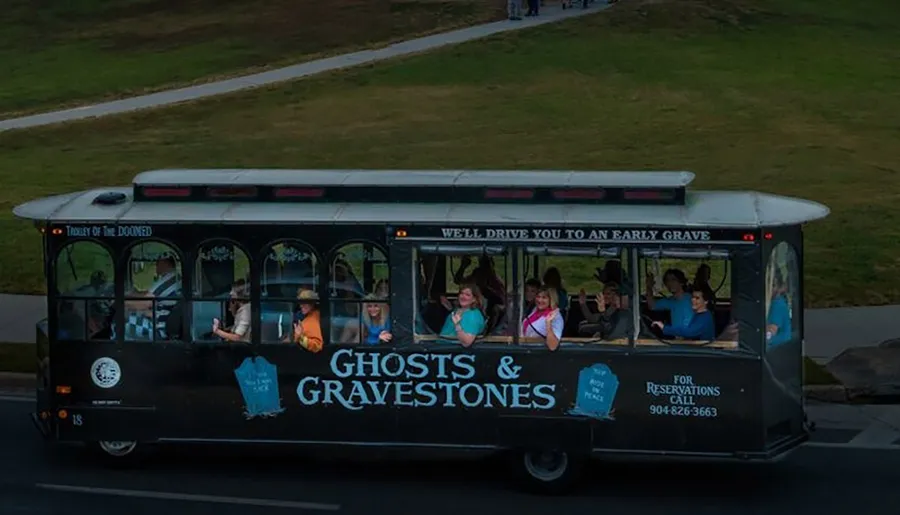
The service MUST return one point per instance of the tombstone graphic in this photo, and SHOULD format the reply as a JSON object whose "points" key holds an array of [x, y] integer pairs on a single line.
{"points": [[597, 387], [258, 380]]}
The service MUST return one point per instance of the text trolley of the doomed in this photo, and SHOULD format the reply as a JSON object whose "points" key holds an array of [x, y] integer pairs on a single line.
{"points": [[682, 398]]}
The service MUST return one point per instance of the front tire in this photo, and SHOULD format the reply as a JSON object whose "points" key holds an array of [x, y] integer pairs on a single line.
{"points": [[117, 453], [546, 472]]}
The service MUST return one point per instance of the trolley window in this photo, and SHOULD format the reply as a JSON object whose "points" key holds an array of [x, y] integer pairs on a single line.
{"points": [[289, 269], [85, 288], [358, 293], [154, 305], [221, 293]]}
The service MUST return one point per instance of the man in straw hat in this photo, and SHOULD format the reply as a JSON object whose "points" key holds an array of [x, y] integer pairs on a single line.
{"points": [[308, 330]]}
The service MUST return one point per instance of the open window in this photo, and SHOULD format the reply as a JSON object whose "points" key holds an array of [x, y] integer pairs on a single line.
{"points": [[592, 286], [473, 280], [687, 298], [85, 292]]}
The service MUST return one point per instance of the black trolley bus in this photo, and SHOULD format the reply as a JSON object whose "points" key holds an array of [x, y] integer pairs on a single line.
{"points": [[401, 309]]}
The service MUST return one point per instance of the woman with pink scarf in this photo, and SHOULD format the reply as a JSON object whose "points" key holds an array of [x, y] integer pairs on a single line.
{"points": [[544, 321]]}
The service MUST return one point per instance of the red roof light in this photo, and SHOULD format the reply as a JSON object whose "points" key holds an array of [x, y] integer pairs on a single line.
{"points": [[498, 193], [299, 192], [179, 192], [579, 194]]}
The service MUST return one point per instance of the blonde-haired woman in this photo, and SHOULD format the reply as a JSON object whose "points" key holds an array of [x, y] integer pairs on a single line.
{"points": [[375, 327], [544, 321]]}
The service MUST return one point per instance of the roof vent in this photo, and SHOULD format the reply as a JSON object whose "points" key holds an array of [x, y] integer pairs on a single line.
{"points": [[110, 198]]}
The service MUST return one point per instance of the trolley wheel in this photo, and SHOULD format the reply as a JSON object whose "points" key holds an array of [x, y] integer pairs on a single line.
{"points": [[546, 472], [117, 453]]}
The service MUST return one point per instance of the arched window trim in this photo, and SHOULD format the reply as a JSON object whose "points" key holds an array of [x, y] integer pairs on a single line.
{"points": [[195, 255], [332, 254], [263, 256], [105, 246]]}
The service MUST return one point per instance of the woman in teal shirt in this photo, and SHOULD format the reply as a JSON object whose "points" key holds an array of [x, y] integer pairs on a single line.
{"points": [[465, 323]]}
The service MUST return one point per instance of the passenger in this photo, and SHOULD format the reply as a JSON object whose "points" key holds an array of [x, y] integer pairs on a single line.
{"points": [[544, 315], [531, 288], [308, 329], [612, 322], [778, 319], [702, 325], [465, 323], [701, 282], [375, 327], [485, 277], [382, 290], [240, 309], [553, 280], [142, 312], [679, 304], [612, 272]]}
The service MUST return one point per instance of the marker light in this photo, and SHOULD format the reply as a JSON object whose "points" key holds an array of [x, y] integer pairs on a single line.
{"points": [[62, 414], [767, 236], [401, 233], [166, 192], [749, 237], [503, 193], [56, 231], [299, 192], [64, 390], [579, 194]]}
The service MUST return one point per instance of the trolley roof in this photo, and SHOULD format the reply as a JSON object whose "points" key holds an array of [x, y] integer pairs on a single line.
{"points": [[723, 209]]}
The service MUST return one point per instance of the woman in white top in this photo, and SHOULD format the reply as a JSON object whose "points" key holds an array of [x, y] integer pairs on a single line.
{"points": [[544, 315], [240, 307]]}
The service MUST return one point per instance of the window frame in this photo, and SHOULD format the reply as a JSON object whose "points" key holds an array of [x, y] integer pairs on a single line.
{"points": [[59, 298], [327, 301], [197, 296], [728, 253], [125, 271], [258, 268], [607, 251]]}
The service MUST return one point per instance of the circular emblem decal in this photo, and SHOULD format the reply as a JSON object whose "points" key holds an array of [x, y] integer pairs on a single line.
{"points": [[105, 373]]}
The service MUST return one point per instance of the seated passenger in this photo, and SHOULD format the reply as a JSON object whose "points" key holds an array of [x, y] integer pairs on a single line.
{"points": [[702, 325], [778, 319], [308, 327], [679, 304], [485, 278], [544, 321], [240, 309], [612, 272], [375, 327], [465, 323], [701, 282], [531, 288], [140, 314], [553, 280], [612, 322]]}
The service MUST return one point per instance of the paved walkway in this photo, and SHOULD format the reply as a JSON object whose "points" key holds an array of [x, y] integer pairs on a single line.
{"points": [[548, 15], [828, 331]]}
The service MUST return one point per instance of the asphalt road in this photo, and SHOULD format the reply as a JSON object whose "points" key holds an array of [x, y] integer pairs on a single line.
{"points": [[36, 479]]}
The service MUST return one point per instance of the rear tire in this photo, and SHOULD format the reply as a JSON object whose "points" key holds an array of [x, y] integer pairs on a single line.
{"points": [[546, 472]]}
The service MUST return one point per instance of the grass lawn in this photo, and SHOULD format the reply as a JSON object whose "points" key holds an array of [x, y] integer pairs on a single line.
{"points": [[815, 374], [67, 53], [796, 97]]}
